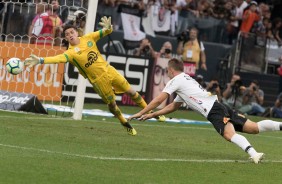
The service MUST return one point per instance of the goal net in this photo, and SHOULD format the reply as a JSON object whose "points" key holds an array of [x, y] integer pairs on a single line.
{"points": [[47, 88]]}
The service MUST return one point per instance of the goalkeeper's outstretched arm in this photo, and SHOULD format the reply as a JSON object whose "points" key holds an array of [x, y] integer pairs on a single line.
{"points": [[34, 60]]}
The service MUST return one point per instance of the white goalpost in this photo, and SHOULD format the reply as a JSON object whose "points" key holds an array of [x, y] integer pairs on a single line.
{"points": [[80, 92]]}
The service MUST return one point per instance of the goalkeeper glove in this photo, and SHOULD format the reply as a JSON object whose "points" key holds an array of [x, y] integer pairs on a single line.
{"points": [[106, 23], [33, 60]]}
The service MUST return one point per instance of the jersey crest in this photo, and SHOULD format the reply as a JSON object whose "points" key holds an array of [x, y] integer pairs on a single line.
{"points": [[89, 44]]}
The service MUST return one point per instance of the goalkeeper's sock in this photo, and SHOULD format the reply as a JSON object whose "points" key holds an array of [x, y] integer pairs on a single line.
{"points": [[117, 112], [243, 143], [269, 125], [137, 98]]}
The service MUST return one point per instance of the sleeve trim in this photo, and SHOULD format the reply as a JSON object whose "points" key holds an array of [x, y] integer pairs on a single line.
{"points": [[101, 33], [67, 57]]}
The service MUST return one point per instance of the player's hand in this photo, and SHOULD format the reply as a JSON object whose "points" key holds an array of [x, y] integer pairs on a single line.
{"points": [[146, 116], [31, 61], [135, 116], [106, 23]]}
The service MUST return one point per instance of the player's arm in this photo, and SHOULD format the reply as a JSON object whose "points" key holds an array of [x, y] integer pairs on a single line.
{"points": [[106, 23], [152, 105], [34, 60], [107, 28], [166, 110]]}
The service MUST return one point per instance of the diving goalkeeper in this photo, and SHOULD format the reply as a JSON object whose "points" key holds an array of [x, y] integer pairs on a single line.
{"points": [[105, 79]]}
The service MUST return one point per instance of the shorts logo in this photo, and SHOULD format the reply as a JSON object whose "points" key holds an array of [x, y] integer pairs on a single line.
{"points": [[226, 120], [91, 57], [241, 115]]}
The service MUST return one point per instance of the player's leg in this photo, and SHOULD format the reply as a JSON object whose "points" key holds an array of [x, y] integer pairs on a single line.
{"points": [[121, 85], [103, 87], [136, 97], [242, 142], [114, 109], [225, 121], [262, 126]]}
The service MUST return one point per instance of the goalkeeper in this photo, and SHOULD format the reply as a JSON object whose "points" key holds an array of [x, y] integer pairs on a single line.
{"points": [[105, 79]]}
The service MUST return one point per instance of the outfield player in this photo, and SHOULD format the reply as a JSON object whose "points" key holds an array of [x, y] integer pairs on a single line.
{"points": [[84, 54], [225, 120]]}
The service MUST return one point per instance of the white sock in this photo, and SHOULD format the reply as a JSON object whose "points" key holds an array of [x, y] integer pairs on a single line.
{"points": [[243, 143], [269, 125]]}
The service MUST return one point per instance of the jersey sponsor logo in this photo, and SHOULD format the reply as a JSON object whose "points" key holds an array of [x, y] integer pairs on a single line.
{"points": [[196, 100], [91, 57]]}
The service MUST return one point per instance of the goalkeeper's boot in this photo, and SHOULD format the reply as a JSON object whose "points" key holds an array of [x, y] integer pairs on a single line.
{"points": [[130, 130], [257, 158], [160, 118]]}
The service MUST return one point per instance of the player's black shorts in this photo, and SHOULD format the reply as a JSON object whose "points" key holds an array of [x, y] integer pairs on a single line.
{"points": [[220, 114]]}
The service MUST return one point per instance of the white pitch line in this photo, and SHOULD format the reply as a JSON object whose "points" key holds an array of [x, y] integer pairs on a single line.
{"points": [[133, 159]]}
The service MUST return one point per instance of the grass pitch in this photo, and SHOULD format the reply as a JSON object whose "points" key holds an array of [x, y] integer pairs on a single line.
{"points": [[43, 149]]}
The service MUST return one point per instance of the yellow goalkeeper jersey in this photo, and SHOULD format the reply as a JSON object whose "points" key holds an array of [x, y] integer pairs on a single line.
{"points": [[85, 56]]}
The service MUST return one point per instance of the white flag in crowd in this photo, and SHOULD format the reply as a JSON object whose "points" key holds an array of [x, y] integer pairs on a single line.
{"points": [[160, 19], [131, 22], [131, 27]]}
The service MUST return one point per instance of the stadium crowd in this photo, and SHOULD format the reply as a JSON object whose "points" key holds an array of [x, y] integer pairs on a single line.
{"points": [[227, 18]]}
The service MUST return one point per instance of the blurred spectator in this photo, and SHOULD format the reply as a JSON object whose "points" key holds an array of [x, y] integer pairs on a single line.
{"points": [[42, 32], [214, 88], [193, 8], [200, 80], [191, 49], [40, 8], [166, 51], [222, 9], [279, 71], [276, 110], [254, 96], [46, 26], [250, 16], [240, 6], [269, 33], [56, 21], [262, 32], [232, 95], [230, 14], [204, 8], [276, 28], [109, 8], [145, 49], [264, 10], [79, 21], [183, 12]]}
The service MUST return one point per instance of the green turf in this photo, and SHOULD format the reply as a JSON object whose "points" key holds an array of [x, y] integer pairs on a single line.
{"points": [[43, 149]]}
